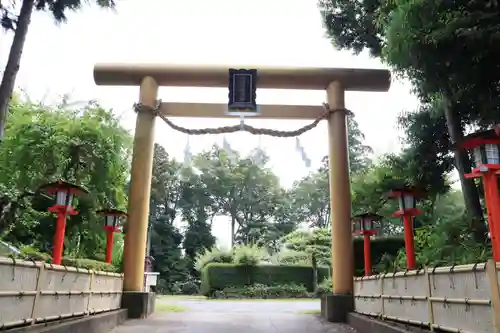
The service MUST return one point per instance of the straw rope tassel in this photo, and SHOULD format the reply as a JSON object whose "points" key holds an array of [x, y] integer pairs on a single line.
{"points": [[302, 153]]}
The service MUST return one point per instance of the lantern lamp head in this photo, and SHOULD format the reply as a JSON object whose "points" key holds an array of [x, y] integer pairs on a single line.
{"points": [[484, 145], [64, 192], [366, 223], [112, 218], [407, 199]]}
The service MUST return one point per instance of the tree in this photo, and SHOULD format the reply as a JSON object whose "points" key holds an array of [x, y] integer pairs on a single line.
{"points": [[311, 195], [440, 47], [448, 62], [242, 189], [197, 238], [311, 198], [166, 241], [165, 201], [215, 184], [268, 233], [427, 148], [284, 222], [369, 190], [42, 144], [352, 24], [20, 24], [359, 153], [198, 209], [316, 243], [166, 187]]}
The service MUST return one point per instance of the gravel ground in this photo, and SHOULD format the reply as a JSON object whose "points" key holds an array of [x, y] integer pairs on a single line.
{"points": [[239, 316]]}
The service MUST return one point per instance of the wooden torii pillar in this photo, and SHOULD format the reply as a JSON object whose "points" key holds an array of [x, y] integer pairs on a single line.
{"points": [[334, 80]]}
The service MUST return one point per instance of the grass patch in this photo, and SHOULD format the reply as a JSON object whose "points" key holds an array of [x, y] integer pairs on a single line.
{"points": [[263, 299], [179, 297], [203, 298], [162, 307], [311, 312]]}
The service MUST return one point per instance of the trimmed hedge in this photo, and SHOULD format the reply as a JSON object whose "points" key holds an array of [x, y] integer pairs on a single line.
{"points": [[218, 276], [379, 246], [323, 273]]}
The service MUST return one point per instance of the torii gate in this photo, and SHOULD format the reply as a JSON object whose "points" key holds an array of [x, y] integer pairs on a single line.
{"points": [[149, 77]]}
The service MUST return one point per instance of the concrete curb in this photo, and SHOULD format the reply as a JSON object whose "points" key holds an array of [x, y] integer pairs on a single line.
{"points": [[99, 323], [366, 324]]}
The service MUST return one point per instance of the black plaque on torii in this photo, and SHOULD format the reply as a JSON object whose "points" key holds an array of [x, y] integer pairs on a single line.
{"points": [[242, 87]]}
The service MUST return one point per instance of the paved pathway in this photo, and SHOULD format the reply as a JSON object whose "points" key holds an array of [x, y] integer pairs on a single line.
{"points": [[227, 316]]}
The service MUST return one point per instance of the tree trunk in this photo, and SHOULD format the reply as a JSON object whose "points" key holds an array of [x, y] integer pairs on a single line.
{"points": [[462, 164], [233, 225], [314, 265], [14, 60]]}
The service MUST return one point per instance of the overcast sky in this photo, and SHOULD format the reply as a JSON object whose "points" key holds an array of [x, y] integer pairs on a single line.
{"points": [[60, 59]]}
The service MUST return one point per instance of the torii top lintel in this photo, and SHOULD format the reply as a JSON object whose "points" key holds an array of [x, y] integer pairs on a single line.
{"points": [[352, 79]]}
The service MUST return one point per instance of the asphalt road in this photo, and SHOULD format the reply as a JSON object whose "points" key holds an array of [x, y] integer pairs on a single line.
{"points": [[239, 316]]}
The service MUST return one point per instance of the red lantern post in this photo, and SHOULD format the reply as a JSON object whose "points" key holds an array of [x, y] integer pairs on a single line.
{"points": [[407, 210], [64, 193], [367, 225], [112, 224], [485, 150]]}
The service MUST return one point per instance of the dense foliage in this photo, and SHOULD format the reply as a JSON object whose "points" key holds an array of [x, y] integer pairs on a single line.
{"points": [[440, 47], [270, 225], [85, 146]]}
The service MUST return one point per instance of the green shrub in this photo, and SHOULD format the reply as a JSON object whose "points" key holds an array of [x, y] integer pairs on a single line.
{"points": [[324, 287], [446, 242], [89, 264], [213, 255], [291, 257], [190, 287], [217, 276], [249, 255], [163, 288], [259, 290]]}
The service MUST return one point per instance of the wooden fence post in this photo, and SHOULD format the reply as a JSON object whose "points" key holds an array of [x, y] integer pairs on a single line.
{"points": [[491, 271], [381, 277], [91, 272], [39, 281], [429, 302]]}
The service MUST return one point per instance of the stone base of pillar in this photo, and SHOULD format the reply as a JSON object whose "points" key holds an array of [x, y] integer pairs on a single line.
{"points": [[138, 304], [335, 307]]}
